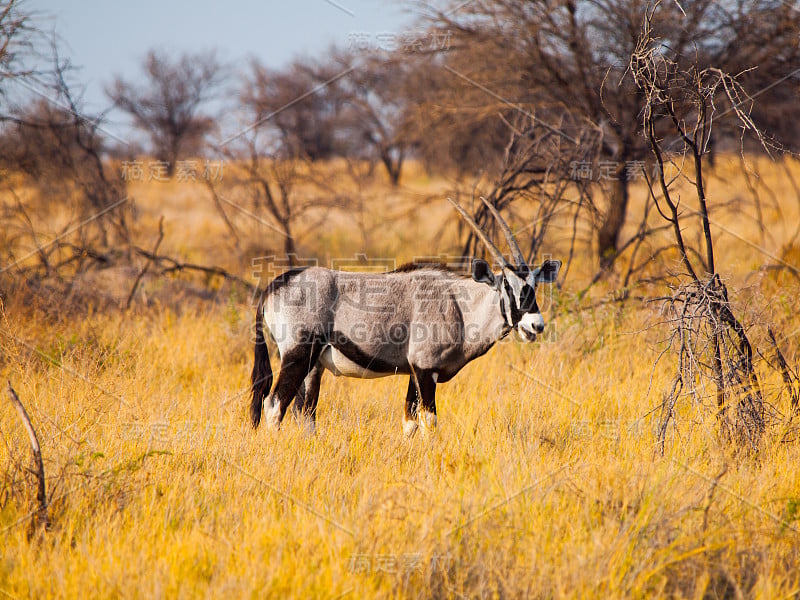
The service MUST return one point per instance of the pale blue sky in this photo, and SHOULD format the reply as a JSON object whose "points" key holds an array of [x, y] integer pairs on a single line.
{"points": [[105, 38]]}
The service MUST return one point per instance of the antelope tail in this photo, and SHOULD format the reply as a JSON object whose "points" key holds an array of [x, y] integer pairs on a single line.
{"points": [[261, 379]]}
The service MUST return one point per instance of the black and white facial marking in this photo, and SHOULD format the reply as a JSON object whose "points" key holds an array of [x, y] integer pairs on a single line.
{"points": [[517, 288]]}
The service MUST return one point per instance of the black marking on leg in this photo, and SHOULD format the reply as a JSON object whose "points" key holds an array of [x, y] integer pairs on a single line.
{"points": [[308, 393], [427, 390], [412, 400], [296, 364]]}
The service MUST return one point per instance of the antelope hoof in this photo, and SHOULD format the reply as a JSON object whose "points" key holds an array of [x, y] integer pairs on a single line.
{"points": [[427, 421], [409, 428]]}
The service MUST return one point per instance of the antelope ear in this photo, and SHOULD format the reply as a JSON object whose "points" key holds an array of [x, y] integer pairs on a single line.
{"points": [[482, 272], [548, 272]]}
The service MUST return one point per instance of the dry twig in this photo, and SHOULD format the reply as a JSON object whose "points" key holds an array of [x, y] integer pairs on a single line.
{"points": [[147, 264], [41, 492]]}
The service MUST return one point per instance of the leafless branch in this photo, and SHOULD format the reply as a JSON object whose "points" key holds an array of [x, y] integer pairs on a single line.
{"points": [[711, 342], [147, 264], [41, 491]]}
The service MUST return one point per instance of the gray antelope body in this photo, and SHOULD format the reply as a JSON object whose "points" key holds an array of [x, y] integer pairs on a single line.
{"points": [[423, 321]]}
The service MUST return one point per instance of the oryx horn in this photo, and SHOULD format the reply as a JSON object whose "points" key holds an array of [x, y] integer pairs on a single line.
{"points": [[479, 232], [512, 243]]}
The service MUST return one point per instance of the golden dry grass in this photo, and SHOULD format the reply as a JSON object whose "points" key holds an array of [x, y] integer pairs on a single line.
{"points": [[542, 479]]}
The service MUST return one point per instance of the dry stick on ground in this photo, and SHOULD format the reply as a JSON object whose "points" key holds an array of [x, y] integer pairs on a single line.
{"points": [[41, 493], [147, 264]]}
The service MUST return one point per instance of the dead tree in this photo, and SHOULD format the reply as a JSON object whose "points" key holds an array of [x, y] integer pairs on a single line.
{"points": [[711, 342], [170, 106]]}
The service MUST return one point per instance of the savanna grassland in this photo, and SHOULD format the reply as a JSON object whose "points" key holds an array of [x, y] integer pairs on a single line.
{"points": [[542, 480]]}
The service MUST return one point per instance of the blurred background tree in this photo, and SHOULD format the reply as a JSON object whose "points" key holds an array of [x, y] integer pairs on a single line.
{"points": [[172, 106]]}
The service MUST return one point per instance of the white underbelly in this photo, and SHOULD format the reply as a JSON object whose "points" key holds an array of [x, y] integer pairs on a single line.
{"points": [[338, 364]]}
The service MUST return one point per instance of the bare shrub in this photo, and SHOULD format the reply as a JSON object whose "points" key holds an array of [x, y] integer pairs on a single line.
{"points": [[56, 155], [712, 344], [171, 108]]}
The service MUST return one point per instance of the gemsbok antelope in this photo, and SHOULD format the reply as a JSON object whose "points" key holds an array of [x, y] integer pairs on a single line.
{"points": [[420, 320]]}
